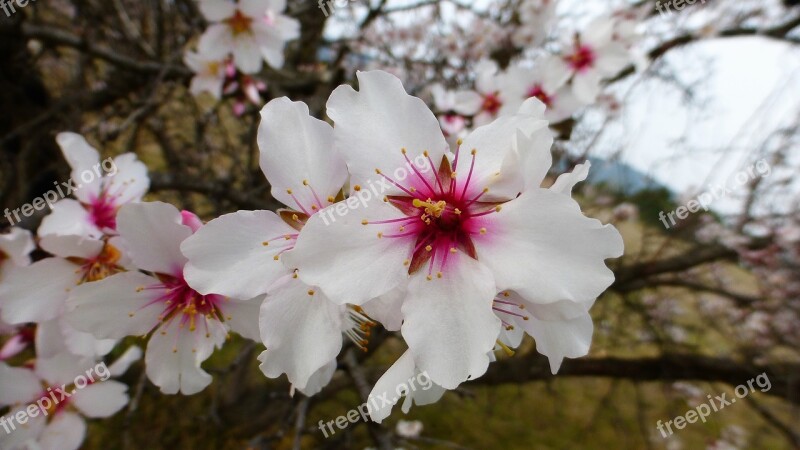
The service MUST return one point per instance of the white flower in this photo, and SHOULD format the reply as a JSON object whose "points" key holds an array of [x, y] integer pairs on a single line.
{"points": [[464, 102], [535, 18], [487, 84], [409, 429], [545, 82], [591, 56], [209, 74], [251, 30], [186, 326], [109, 187], [63, 427], [450, 239], [240, 254]]}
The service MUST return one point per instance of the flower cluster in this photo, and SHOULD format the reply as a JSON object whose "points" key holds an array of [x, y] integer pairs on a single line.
{"points": [[462, 258], [241, 36]]}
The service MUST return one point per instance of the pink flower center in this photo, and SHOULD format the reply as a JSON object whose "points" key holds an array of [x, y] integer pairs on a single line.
{"points": [[239, 23], [538, 92], [440, 216], [583, 58], [103, 212], [491, 103], [183, 303]]}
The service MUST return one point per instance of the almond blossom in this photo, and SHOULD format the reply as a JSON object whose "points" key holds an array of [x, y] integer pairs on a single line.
{"points": [[209, 73], [241, 254], [450, 239], [252, 31], [184, 326], [93, 214], [591, 55], [38, 293], [60, 426], [543, 82]]}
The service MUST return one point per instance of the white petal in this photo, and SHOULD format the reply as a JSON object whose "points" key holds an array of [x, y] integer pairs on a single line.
{"points": [[302, 332], [467, 103], [544, 248], [401, 379], [493, 143], [24, 437], [115, 307], [247, 53], [71, 246], [217, 10], [561, 339], [347, 259], [18, 385], [296, 147], [81, 157], [69, 217], [449, 323], [598, 32], [124, 362], [386, 309], [217, 41], [586, 86], [65, 432], [534, 151], [319, 380], [254, 8], [375, 123], [566, 181], [154, 232], [174, 355], [36, 293], [17, 245], [63, 368], [612, 58], [242, 316], [486, 76], [228, 256], [101, 399], [126, 179], [552, 72]]}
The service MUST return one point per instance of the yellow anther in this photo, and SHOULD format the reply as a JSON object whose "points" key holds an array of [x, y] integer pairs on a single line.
{"points": [[331, 199], [295, 218], [365, 222], [406, 262], [473, 152], [483, 230], [453, 250], [428, 248], [431, 209], [380, 235], [289, 191], [429, 277], [459, 141], [276, 257], [506, 294], [425, 153], [265, 243], [357, 188], [378, 171], [314, 207], [402, 229], [498, 208], [438, 274], [305, 182], [403, 150], [457, 211], [310, 292]]}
